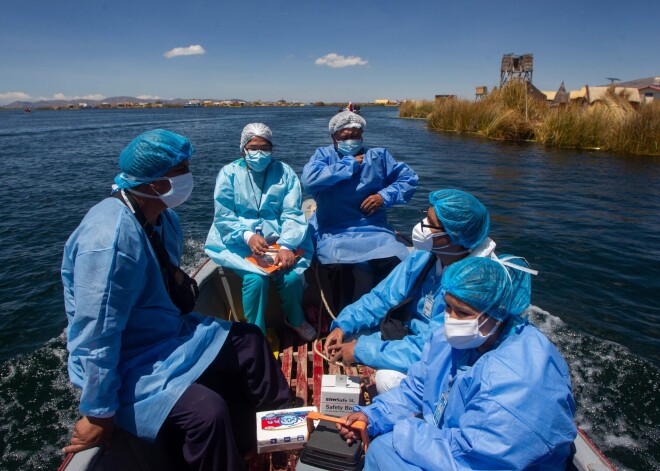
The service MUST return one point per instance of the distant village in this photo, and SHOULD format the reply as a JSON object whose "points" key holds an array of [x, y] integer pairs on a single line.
{"points": [[513, 68], [521, 68], [130, 102]]}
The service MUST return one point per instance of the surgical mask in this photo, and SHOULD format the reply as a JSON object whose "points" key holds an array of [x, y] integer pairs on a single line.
{"points": [[181, 188], [349, 147], [463, 334], [258, 160], [422, 237]]}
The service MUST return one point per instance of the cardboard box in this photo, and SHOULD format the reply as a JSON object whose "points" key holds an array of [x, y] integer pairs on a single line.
{"points": [[339, 393], [284, 429]]}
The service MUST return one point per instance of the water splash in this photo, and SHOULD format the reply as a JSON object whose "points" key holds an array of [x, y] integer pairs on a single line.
{"points": [[39, 407], [616, 392]]}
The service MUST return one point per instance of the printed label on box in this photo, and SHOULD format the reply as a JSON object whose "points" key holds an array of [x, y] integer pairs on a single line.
{"points": [[340, 389], [284, 419], [336, 410]]}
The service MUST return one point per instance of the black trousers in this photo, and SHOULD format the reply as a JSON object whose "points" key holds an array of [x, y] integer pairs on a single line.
{"points": [[350, 281], [213, 422]]}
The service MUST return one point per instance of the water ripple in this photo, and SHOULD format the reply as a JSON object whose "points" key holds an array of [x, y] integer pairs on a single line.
{"points": [[588, 221]]}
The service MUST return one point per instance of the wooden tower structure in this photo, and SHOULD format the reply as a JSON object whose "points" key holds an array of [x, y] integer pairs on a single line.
{"points": [[481, 92], [516, 67]]}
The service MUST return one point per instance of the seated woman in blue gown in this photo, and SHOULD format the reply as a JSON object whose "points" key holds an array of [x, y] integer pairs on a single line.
{"points": [[258, 202], [353, 185], [490, 392]]}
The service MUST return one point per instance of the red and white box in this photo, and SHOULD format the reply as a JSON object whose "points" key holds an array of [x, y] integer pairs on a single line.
{"points": [[284, 429]]}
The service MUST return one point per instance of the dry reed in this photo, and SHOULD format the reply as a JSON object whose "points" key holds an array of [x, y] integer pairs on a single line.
{"points": [[511, 113]]}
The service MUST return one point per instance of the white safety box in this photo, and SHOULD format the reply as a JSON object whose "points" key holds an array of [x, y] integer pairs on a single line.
{"points": [[339, 393]]}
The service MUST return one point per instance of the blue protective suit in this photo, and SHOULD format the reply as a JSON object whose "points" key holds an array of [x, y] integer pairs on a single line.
{"points": [[240, 205], [363, 317], [510, 408], [339, 185], [130, 350]]}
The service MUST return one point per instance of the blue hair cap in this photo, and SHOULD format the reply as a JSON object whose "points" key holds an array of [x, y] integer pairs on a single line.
{"points": [[150, 156], [489, 286], [462, 215]]}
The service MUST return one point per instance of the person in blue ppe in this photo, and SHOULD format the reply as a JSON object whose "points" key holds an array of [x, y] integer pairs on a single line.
{"points": [[490, 392], [353, 185], [142, 363], [258, 202], [454, 227]]}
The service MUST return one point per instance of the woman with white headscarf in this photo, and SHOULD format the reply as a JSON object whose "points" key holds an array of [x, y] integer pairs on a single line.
{"points": [[258, 202]]}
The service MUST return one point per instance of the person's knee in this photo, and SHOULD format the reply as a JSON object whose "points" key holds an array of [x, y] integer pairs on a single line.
{"points": [[387, 379], [380, 453], [200, 411], [290, 279], [212, 413], [252, 281], [246, 330]]}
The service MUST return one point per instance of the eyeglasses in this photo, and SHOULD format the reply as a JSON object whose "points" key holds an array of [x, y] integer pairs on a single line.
{"points": [[264, 147], [425, 215], [348, 133]]}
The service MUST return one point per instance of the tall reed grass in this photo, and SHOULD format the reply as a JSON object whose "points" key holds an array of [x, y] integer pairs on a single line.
{"points": [[511, 113]]}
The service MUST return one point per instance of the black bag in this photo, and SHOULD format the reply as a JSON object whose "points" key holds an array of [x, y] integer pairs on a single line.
{"points": [[394, 325], [183, 289]]}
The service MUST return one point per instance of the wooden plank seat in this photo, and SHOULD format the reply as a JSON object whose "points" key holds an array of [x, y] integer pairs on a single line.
{"points": [[309, 369]]}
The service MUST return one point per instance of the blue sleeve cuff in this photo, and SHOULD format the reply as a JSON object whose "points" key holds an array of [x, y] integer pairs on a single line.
{"points": [[387, 202]]}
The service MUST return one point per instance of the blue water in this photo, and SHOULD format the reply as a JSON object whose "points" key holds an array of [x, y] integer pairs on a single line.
{"points": [[589, 221]]}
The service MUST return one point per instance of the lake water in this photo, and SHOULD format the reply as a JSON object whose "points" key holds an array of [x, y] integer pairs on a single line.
{"points": [[588, 221]]}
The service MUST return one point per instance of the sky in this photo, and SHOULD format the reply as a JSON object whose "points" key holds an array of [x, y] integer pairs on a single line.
{"points": [[314, 50]]}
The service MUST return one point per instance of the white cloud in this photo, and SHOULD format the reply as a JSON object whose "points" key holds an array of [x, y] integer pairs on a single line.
{"points": [[62, 96], [337, 61], [192, 50], [148, 97], [10, 97]]}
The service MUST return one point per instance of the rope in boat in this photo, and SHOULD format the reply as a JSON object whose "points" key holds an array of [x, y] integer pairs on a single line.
{"points": [[324, 303], [318, 352], [323, 299]]}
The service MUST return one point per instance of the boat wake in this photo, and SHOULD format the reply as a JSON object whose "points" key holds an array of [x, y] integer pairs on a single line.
{"points": [[38, 408], [616, 391]]}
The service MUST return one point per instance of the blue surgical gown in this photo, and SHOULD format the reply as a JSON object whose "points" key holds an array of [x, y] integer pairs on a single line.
{"points": [[131, 352], [271, 199], [510, 408], [339, 185], [363, 317]]}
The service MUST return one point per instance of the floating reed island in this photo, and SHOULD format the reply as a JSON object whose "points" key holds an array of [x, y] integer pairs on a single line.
{"points": [[511, 113]]}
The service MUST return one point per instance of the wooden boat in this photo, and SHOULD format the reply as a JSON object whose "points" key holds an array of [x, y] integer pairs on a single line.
{"points": [[220, 296]]}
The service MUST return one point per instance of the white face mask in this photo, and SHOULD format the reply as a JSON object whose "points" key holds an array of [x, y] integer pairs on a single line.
{"points": [[181, 188], [464, 334], [423, 240]]}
